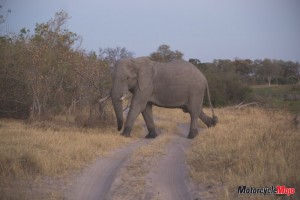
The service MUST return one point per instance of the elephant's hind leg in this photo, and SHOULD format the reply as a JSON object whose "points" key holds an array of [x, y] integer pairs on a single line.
{"points": [[148, 117], [194, 108], [193, 128]]}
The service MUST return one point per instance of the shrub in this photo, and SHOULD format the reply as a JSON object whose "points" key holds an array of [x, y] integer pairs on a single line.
{"points": [[226, 88]]}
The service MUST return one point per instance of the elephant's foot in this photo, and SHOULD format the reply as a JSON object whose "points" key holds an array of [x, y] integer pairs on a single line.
{"points": [[193, 133], [126, 132], [152, 133]]}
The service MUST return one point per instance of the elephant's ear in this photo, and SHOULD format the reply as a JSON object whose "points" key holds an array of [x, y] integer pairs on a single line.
{"points": [[145, 74]]}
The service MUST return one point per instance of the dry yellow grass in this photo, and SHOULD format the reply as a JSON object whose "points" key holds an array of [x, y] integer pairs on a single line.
{"points": [[29, 154], [165, 120], [47, 149], [251, 147], [169, 119], [40, 154], [27, 150]]}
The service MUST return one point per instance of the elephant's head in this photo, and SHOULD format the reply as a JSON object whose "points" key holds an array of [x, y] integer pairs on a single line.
{"points": [[129, 74]]}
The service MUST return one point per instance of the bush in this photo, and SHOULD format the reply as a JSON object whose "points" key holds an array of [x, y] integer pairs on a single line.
{"points": [[43, 75], [226, 88], [15, 99]]}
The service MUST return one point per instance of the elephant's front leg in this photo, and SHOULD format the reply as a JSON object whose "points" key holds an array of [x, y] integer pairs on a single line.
{"points": [[148, 117], [136, 107]]}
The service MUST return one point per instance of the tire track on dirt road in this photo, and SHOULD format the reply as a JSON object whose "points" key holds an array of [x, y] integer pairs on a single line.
{"points": [[160, 164], [95, 182], [169, 178]]}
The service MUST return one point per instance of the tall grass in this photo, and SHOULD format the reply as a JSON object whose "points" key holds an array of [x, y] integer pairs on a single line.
{"points": [[27, 150], [252, 147], [53, 149], [36, 159]]}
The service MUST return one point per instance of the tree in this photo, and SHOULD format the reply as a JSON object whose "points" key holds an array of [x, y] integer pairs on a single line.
{"points": [[50, 49], [44, 74], [268, 69], [113, 55], [92, 81], [3, 15], [289, 71], [165, 54], [226, 86], [243, 67], [195, 61], [15, 98]]}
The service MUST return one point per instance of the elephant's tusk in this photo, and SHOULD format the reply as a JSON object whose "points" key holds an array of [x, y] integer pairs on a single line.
{"points": [[122, 98], [104, 99]]}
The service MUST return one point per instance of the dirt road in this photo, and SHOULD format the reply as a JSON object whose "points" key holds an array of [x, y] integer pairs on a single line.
{"points": [[169, 178], [95, 182], [166, 178]]}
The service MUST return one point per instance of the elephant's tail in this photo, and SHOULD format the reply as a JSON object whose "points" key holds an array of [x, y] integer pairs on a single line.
{"points": [[208, 95]]}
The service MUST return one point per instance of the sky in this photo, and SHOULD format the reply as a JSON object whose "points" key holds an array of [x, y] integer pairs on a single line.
{"points": [[202, 29]]}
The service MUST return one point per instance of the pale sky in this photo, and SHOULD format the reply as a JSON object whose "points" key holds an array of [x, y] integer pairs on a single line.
{"points": [[202, 29]]}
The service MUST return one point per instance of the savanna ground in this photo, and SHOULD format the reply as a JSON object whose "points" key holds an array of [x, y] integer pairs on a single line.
{"points": [[34, 156], [250, 146], [283, 97]]}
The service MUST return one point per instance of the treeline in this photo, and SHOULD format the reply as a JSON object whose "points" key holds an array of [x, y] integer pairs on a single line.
{"points": [[46, 73], [231, 81]]}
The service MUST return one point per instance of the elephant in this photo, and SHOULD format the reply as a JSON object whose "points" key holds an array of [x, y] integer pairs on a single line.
{"points": [[176, 84]]}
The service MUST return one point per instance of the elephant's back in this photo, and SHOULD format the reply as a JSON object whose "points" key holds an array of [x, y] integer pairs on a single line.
{"points": [[184, 69]]}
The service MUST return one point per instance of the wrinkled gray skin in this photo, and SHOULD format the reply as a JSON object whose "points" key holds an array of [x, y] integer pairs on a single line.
{"points": [[177, 84]]}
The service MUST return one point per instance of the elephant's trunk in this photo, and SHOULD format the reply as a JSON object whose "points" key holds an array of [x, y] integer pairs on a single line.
{"points": [[118, 107]]}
